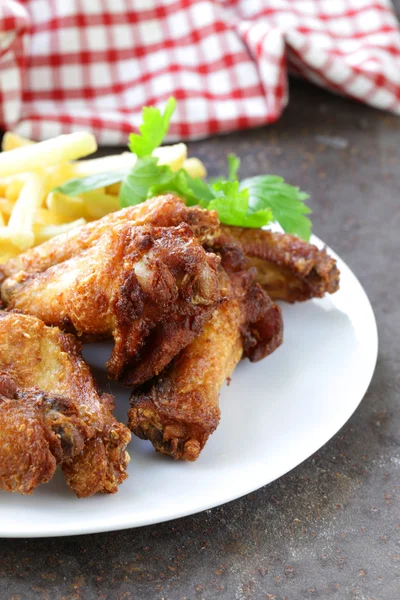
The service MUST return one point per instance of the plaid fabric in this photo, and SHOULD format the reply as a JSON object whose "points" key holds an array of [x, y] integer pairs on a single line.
{"points": [[91, 64]]}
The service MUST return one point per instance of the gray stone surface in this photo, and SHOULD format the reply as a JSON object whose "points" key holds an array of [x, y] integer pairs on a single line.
{"points": [[330, 529]]}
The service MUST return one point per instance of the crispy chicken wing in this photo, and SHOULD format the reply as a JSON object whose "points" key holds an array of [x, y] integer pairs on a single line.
{"points": [[288, 268], [150, 288], [161, 211], [178, 410], [51, 413], [38, 432]]}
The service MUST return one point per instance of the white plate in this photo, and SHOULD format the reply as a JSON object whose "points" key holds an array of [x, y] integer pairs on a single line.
{"points": [[275, 414]]}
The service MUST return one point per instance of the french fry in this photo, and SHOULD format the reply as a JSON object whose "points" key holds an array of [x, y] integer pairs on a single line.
{"points": [[12, 140], [30, 173], [194, 167], [83, 168], [57, 175], [6, 207], [20, 224], [94, 193], [167, 155], [4, 181], [98, 205], [44, 216], [51, 152], [72, 207], [14, 188], [113, 189], [9, 239], [54, 176], [174, 156], [46, 232]]}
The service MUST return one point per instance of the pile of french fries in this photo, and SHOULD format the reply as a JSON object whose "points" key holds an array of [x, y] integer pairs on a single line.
{"points": [[31, 212]]}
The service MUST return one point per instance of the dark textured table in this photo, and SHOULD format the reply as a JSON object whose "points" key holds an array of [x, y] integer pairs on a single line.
{"points": [[330, 528]]}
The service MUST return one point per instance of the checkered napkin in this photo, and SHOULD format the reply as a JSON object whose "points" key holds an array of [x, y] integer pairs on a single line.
{"points": [[92, 64]]}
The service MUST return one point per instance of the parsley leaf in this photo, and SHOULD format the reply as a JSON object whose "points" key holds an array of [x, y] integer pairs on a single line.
{"points": [[153, 129], [254, 202], [144, 174], [232, 206], [192, 190], [200, 189], [73, 187], [285, 201], [148, 179], [233, 166]]}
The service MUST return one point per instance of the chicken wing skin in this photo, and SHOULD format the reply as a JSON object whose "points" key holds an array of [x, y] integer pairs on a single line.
{"points": [[261, 325], [288, 268], [150, 288], [178, 410], [52, 413], [161, 211], [37, 433]]}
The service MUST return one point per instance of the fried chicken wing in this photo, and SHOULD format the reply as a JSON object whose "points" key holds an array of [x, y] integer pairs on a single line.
{"points": [[288, 268], [161, 211], [178, 410], [51, 413], [37, 433], [150, 288], [262, 326]]}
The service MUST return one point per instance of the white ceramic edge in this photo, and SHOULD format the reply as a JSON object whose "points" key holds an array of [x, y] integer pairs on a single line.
{"points": [[60, 531]]}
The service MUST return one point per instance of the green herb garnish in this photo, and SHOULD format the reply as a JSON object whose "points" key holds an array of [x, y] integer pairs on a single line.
{"points": [[253, 202], [153, 129]]}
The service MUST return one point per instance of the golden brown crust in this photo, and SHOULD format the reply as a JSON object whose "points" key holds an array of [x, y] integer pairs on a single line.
{"points": [[288, 268], [261, 324], [161, 211], [178, 410], [54, 389], [150, 288], [37, 433]]}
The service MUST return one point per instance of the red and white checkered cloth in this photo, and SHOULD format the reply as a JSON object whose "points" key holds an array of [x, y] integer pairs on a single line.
{"points": [[92, 64]]}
